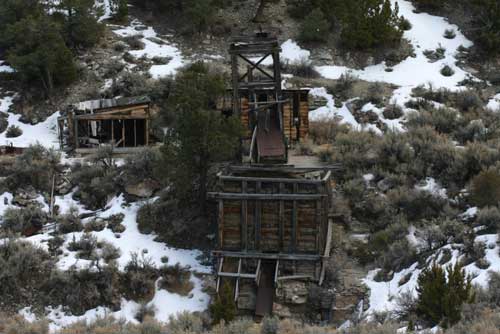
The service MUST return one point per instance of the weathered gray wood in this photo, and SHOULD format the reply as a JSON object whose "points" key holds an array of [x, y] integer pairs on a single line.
{"points": [[276, 271], [257, 216], [294, 222], [254, 66], [295, 277], [221, 262], [257, 273], [268, 256], [270, 180], [244, 218], [135, 133], [237, 288], [285, 197], [289, 169], [281, 222], [220, 223], [236, 275], [77, 144]]}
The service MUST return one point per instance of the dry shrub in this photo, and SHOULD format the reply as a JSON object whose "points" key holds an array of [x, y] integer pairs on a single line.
{"points": [[325, 131], [484, 321], [305, 147], [19, 325], [176, 279], [185, 322]]}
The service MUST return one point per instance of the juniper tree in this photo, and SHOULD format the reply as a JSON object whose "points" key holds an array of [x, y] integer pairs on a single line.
{"points": [[441, 294], [79, 26], [38, 53], [315, 27], [200, 136]]}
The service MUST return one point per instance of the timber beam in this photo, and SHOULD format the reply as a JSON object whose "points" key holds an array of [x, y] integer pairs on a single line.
{"points": [[268, 256], [285, 197]]}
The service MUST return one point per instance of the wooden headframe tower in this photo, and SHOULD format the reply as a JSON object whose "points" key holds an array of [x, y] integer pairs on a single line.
{"points": [[274, 224], [258, 53]]}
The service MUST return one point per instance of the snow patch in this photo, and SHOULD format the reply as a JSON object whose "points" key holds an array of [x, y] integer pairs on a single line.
{"points": [[494, 103], [426, 34], [5, 68], [154, 47], [432, 187], [330, 111]]}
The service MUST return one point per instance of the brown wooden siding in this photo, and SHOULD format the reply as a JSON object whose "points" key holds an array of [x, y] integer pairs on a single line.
{"points": [[243, 219]]}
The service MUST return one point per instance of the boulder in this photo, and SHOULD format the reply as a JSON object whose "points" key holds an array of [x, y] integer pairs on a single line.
{"points": [[25, 197], [281, 310], [292, 292], [142, 189]]}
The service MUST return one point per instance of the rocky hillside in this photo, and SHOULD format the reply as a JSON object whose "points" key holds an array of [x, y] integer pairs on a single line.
{"points": [[404, 94]]}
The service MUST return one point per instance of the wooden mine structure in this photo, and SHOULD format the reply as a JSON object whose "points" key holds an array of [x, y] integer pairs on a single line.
{"points": [[122, 123], [274, 224], [273, 118]]}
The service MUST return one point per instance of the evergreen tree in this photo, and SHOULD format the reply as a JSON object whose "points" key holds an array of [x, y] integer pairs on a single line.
{"points": [[80, 26], [487, 16], [38, 52], [224, 307], [431, 290], [121, 10], [12, 11], [315, 27], [368, 23], [200, 135], [486, 188], [440, 298]]}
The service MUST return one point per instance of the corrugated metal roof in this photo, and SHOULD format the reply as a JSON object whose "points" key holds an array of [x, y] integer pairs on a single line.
{"points": [[96, 105]]}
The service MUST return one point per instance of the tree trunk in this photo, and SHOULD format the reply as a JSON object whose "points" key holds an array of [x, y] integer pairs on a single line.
{"points": [[259, 15], [203, 186]]}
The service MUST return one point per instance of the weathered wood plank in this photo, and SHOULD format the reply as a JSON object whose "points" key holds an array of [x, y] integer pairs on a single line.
{"points": [[268, 256], [244, 216], [257, 217], [257, 197]]}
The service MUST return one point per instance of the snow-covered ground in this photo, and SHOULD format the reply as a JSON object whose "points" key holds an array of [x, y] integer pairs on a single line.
{"points": [[5, 68], [494, 103], [154, 47], [431, 186], [384, 295], [129, 242], [427, 33]]}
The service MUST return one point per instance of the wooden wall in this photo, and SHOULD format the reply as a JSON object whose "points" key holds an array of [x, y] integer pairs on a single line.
{"points": [[241, 220], [292, 132]]}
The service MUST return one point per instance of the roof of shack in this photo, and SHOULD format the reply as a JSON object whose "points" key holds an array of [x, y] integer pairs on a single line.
{"points": [[96, 105]]}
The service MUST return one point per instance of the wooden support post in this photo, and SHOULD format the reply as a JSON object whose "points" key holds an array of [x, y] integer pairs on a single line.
{"points": [[220, 223], [257, 273], [258, 211], [237, 288], [317, 225], [123, 132], [113, 132], [294, 221], [244, 218], [234, 70], [77, 144], [221, 262], [135, 133], [146, 130], [276, 271], [281, 219]]}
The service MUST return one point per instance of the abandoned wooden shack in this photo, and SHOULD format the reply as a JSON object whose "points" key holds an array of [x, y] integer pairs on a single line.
{"points": [[274, 225], [123, 124]]}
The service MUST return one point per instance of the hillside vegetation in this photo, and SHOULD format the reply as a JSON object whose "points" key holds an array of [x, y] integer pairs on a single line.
{"points": [[405, 95]]}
